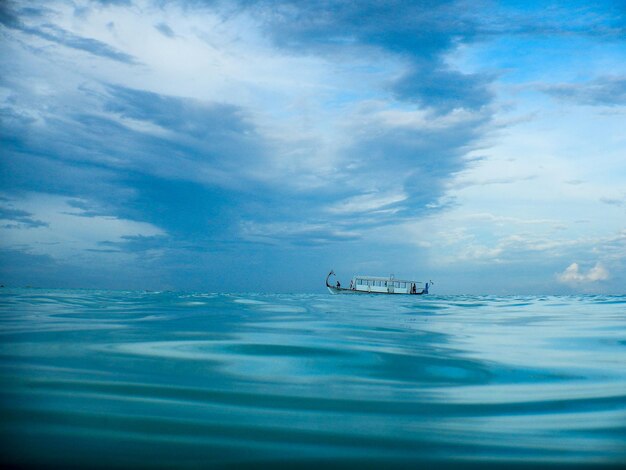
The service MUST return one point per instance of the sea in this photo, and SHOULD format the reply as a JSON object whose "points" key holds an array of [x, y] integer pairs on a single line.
{"points": [[129, 379]]}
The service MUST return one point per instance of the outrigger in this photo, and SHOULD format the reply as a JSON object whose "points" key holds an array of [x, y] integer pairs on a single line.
{"points": [[378, 285]]}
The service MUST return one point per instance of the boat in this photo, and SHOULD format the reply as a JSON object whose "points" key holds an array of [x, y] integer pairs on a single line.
{"points": [[378, 285]]}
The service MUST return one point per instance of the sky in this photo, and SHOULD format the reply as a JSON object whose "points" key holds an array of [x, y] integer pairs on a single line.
{"points": [[251, 146]]}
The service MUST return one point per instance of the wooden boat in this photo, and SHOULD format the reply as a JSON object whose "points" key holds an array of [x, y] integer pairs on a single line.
{"points": [[378, 285]]}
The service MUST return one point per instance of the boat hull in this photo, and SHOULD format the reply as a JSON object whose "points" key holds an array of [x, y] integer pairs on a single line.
{"points": [[343, 290]]}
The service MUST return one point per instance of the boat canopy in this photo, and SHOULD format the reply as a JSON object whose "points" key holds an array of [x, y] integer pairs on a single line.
{"points": [[388, 279]]}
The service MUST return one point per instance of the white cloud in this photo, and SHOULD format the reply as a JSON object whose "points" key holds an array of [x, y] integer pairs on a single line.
{"points": [[66, 230], [367, 203], [299, 232], [574, 275]]}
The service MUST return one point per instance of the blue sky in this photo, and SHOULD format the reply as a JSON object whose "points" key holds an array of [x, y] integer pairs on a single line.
{"points": [[254, 145]]}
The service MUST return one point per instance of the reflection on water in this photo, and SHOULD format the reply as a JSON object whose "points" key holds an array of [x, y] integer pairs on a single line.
{"points": [[95, 378]]}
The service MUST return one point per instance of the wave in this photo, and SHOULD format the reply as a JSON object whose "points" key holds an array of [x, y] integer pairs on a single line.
{"points": [[191, 379]]}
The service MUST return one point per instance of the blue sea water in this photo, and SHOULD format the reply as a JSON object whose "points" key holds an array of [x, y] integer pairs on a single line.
{"points": [[168, 379]]}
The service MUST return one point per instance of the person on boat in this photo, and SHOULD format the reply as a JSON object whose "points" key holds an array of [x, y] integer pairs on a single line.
{"points": [[338, 285], [413, 289], [351, 284]]}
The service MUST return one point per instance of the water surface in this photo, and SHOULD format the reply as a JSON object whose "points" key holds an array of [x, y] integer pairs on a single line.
{"points": [[170, 379]]}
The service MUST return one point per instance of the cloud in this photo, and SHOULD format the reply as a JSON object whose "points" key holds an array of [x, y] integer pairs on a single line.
{"points": [[58, 35], [573, 274], [164, 29], [19, 218], [602, 91], [18, 268], [461, 183], [65, 38], [420, 27], [243, 163], [444, 90], [417, 33], [115, 128], [297, 234], [613, 248], [613, 201], [114, 2], [57, 227], [183, 116]]}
